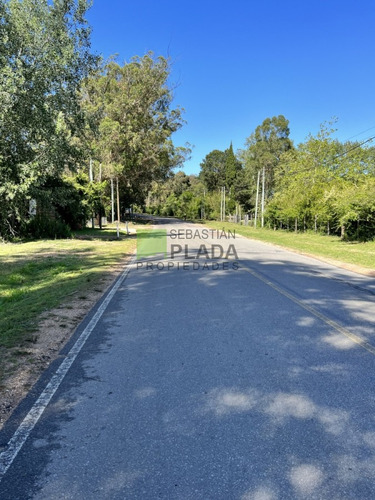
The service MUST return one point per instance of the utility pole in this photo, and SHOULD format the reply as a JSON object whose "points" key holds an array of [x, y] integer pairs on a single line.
{"points": [[221, 205], [91, 178], [100, 201], [263, 186], [91, 175], [224, 202], [118, 201], [204, 203], [118, 210], [257, 201], [113, 200]]}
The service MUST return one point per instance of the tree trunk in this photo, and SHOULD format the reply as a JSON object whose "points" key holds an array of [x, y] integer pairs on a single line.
{"points": [[316, 224], [296, 225], [328, 229], [342, 231]]}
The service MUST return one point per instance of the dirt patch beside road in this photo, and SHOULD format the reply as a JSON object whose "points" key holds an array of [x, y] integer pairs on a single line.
{"points": [[23, 366]]}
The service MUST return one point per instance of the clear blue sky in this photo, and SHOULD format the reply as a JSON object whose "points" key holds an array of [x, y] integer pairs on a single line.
{"points": [[238, 62]]}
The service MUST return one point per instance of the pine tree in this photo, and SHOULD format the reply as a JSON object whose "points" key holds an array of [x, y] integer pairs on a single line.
{"points": [[231, 167]]}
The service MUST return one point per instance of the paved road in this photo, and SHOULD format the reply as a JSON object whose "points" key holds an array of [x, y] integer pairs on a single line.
{"points": [[248, 378]]}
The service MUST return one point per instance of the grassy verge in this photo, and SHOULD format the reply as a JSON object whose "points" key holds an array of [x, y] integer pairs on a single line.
{"points": [[40, 275], [328, 247]]}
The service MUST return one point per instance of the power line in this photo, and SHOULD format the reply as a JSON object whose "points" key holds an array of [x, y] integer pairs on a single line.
{"points": [[308, 169], [360, 133], [354, 147]]}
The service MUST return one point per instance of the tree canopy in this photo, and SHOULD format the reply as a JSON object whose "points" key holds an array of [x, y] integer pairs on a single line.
{"points": [[325, 183], [133, 121], [264, 148], [44, 58]]}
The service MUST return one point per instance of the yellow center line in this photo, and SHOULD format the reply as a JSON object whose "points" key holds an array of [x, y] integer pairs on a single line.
{"points": [[354, 338]]}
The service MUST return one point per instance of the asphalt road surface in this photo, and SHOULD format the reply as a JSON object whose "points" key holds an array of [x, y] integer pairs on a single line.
{"points": [[250, 377]]}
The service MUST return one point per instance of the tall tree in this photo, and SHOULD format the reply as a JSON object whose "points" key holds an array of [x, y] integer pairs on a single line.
{"points": [[136, 121], [213, 170], [264, 148], [232, 167], [44, 57]]}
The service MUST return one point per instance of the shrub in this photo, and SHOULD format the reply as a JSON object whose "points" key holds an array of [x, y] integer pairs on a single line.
{"points": [[40, 227]]}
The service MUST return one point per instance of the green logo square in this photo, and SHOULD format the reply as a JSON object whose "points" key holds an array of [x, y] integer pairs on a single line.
{"points": [[151, 242]]}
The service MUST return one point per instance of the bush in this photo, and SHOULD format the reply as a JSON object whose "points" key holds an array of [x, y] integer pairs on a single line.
{"points": [[40, 227]]}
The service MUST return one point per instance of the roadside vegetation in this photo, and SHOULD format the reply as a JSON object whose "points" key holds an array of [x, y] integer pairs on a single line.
{"points": [[37, 276], [82, 138], [329, 247], [78, 135], [321, 185]]}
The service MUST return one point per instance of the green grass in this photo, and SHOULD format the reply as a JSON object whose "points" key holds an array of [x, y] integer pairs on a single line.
{"points": [[328, 247], [40, 275]]}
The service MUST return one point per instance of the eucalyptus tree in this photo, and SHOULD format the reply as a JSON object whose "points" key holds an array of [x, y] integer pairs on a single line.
{"points": [[135, 121]]}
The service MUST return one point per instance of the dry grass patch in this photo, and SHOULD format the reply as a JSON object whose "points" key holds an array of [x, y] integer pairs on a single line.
{"points": [[46, 289]]}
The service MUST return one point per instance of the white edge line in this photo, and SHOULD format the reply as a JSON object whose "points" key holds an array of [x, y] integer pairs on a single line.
{"points": [[19, 438]]}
